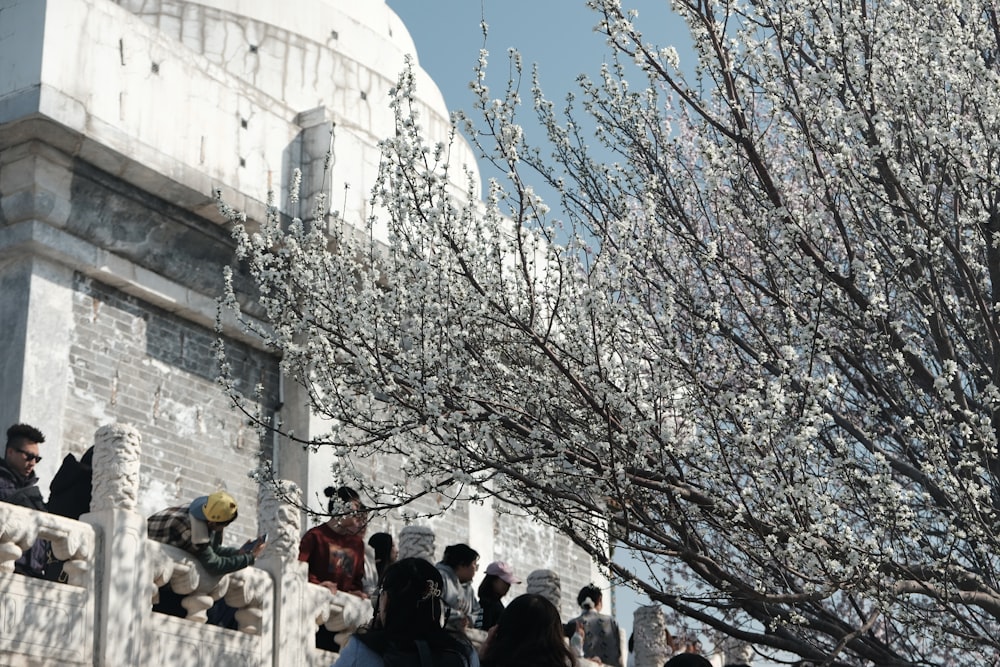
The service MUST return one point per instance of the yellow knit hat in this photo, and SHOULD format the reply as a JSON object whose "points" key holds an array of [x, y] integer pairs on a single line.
{"points": [[220, 507]]}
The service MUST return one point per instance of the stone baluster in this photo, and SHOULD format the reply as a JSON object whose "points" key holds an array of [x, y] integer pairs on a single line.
{"points": [[251, 593], [649, 632], [547, 584], [416, 542], [347, 613], [249, 590], [123, 591], [74, 545], [20, 527], [161, 568], [297, 608], [200, 593], [18, 531]]}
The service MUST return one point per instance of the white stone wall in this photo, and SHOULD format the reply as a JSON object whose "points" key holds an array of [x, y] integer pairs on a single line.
{"points": [[207, 97]]}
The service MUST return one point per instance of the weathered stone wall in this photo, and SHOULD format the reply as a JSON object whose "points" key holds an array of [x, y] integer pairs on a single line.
{"points": [[79, 352], [148, 230], [136, 363]]}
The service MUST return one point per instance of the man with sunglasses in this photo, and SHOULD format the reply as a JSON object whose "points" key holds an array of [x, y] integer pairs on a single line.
{"points": [[19, 486]]}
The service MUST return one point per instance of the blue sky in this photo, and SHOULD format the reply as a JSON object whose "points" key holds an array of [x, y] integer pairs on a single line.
{"points": [[556, 34]]}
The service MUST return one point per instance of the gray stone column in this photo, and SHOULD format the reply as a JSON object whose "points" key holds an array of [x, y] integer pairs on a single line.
{"points": [[315, 142], [649, 631], [416, 542], [294, 625], [15, 286], [124, 602], [36, 298]]}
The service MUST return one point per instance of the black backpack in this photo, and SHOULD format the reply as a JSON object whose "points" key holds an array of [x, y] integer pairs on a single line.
{"points": [[69, 492]]}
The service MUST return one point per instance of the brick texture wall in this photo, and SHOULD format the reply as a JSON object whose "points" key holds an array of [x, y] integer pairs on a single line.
{"points": [[135, 363]]}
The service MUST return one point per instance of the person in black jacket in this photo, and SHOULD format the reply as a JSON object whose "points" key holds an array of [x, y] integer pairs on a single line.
{"points": [[19, 486], [69, 496], [495, 585]]}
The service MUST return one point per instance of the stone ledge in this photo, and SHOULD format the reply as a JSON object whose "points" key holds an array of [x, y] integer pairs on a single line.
{"points": [[36, 238]]}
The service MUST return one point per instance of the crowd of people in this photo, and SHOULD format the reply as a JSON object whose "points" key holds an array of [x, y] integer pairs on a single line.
{"points": [[420, 610]]}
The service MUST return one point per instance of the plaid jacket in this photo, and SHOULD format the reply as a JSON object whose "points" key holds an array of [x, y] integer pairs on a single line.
{"points": [[173, 526]]}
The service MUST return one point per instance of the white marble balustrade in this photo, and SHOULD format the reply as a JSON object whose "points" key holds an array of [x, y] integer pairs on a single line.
{"points": [[102, 615], [46, 622]]}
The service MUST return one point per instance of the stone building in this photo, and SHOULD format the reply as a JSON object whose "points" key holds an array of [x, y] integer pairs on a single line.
{"points": [[118, 120]]}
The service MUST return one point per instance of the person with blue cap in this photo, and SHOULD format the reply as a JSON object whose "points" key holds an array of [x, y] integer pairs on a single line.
{"points": [[197, 528]]}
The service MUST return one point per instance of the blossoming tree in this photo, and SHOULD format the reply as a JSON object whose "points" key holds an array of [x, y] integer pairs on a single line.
{"points": [[761, 350]]}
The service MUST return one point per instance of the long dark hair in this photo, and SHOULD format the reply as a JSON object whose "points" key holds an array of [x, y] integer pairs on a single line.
{"points": [[486, 591], [528, 634], [412, 589], [382, 544]]}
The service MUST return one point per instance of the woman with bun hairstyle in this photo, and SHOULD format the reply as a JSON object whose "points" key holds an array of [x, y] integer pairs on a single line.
{"points": [[335, 550], [528, 634], [601, 638], [407, 628]]}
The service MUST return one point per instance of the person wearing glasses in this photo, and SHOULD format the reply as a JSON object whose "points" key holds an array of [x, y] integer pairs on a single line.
{"points": [[458, 566], [19, 486]]}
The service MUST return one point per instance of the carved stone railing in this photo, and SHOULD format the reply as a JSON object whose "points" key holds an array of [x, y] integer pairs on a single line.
{"points": [[302, 607], [345, 613], [650, 633], [547, 584], [416, 542], [248, 591], [102, 615], [71, 540], [46, 622]]}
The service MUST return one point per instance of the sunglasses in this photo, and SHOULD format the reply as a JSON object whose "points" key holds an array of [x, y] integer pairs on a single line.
{"points": [[28, 456]]}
